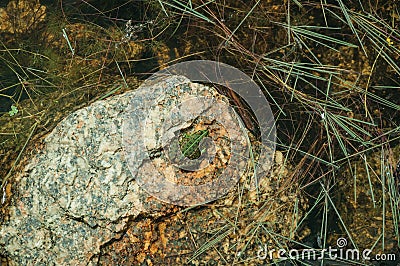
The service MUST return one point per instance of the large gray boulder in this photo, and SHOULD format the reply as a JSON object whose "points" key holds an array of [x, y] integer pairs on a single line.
{"points": [[77, 193]]}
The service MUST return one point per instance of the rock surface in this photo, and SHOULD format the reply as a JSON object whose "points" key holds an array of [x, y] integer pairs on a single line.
{"points": [[77, 193], [78, 200], [21, 16]]}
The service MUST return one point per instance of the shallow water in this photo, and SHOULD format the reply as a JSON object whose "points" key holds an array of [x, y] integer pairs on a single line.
{"points": [[87, 62]]}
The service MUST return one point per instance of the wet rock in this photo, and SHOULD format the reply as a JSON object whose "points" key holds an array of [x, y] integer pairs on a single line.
{"points": [[21, 16]]}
